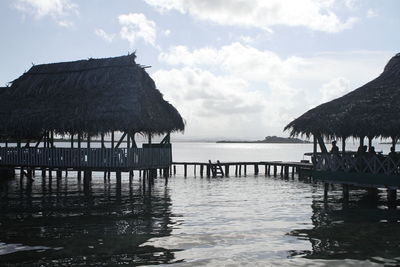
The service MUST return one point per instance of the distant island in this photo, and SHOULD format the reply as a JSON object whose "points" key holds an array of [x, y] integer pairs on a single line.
{"points": [[271, 140]]}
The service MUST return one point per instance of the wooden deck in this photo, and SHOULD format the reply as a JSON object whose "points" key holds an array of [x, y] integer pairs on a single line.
{"points": [[100, 159], [284, 169], [377, 171]]}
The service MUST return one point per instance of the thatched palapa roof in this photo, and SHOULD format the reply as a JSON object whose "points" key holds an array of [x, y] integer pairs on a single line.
{"points": [[91, 96], [371, 110]]}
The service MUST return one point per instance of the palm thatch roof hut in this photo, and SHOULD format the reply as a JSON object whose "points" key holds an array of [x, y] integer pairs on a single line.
{"points": [[89, 97], [371, 110]]}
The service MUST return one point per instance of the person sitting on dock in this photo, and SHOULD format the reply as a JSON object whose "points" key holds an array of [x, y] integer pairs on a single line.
{"points": [[371, 152], [334, 149], [393, 154]]}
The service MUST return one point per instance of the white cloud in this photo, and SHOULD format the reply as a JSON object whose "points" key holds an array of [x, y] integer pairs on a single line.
{"points": [[371, 13], [334, 89], [56, 9], [235, 85], [105, 36], [136, 26], [210, 103], [317, 15], [167, 32]]}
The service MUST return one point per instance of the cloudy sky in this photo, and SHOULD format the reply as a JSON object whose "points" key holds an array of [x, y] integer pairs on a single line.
{"points": [[233, 68]]}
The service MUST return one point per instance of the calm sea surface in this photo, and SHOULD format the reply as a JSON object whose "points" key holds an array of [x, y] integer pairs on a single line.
{"points": [[193, 221]]}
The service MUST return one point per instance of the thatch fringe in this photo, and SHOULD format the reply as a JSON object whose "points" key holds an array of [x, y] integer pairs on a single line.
{"points": [[371, 110], [91, 97]]}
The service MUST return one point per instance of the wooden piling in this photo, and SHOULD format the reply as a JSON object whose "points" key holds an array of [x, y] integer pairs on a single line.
{"points": [[326, 189], [345, 192]]}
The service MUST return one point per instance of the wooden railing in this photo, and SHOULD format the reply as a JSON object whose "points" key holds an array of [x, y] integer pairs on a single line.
{"points": [[353, 163], [100, 158]]}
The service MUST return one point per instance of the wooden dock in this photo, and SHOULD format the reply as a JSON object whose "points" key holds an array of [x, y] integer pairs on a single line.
{"points": [[223, 169]]}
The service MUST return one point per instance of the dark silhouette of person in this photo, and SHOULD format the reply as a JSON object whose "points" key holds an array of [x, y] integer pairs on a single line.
{"points": [[392, 154], [372, 152], [334, 149]]}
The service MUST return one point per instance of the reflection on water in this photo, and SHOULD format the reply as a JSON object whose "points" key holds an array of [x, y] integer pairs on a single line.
{"points": [[58, 225], [364, 229], [237, 221]]}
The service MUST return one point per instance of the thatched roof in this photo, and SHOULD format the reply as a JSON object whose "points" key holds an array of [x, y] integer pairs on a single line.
{"points": [[87, 96], [371, 110]]}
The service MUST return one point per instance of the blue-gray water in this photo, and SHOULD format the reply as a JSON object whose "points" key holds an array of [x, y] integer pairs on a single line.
{"points": [[236, 221]]}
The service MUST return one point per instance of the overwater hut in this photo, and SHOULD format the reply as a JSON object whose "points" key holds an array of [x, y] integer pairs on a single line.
{"points": [[369, 111], [83, 100]]}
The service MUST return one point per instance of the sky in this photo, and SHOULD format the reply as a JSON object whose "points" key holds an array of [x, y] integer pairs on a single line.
{"points": [[234, 69]]}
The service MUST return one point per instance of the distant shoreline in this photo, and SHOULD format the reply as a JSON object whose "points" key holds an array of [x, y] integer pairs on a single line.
{"points": [[268, 140]]}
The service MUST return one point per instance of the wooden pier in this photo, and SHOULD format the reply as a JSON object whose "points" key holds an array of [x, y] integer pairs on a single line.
{"points": [[223, 169]]}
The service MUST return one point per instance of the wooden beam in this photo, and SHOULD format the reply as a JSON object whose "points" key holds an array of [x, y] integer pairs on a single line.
{"points": [[343, 145], [79, 140], [112, 139], [315, 150], [102, 141], [128, 141], [166, 139], [134, 145], [72, 141], [370, 141], [394, 141], [362, 140], [120, 140], [88, 141], [38, 142], [149, 138], [52, 138], [321, 144]]}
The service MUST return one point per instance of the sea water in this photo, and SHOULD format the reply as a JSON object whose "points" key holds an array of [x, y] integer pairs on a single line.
{"points": [[236, 221]]}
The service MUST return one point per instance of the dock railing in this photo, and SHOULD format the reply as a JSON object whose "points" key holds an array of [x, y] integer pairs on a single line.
{"points": [[95, 158], [378, 164]]}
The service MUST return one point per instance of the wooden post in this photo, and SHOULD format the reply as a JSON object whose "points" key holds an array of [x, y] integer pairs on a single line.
{"points": [[72, 141], [245, 169], [392, 197], [394, 141], [255, 169], [236, 170], [226, 170], [326, 189], [128, 141], [321, 144], [362, 140], [370, 141], [184, 170], [345, 192], [275, 170], [315, 147], [112, 139], [174, 169], [52, 138], [208, 170], [102, 141], [201, 170], [149, 138], [240, 169], [343, 145]]}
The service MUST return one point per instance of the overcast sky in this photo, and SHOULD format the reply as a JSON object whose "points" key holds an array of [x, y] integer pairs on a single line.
{"points": [[233, 68]]}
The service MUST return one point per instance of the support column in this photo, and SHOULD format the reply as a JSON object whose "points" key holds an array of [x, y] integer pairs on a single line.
{"points": [[392, 198]]}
